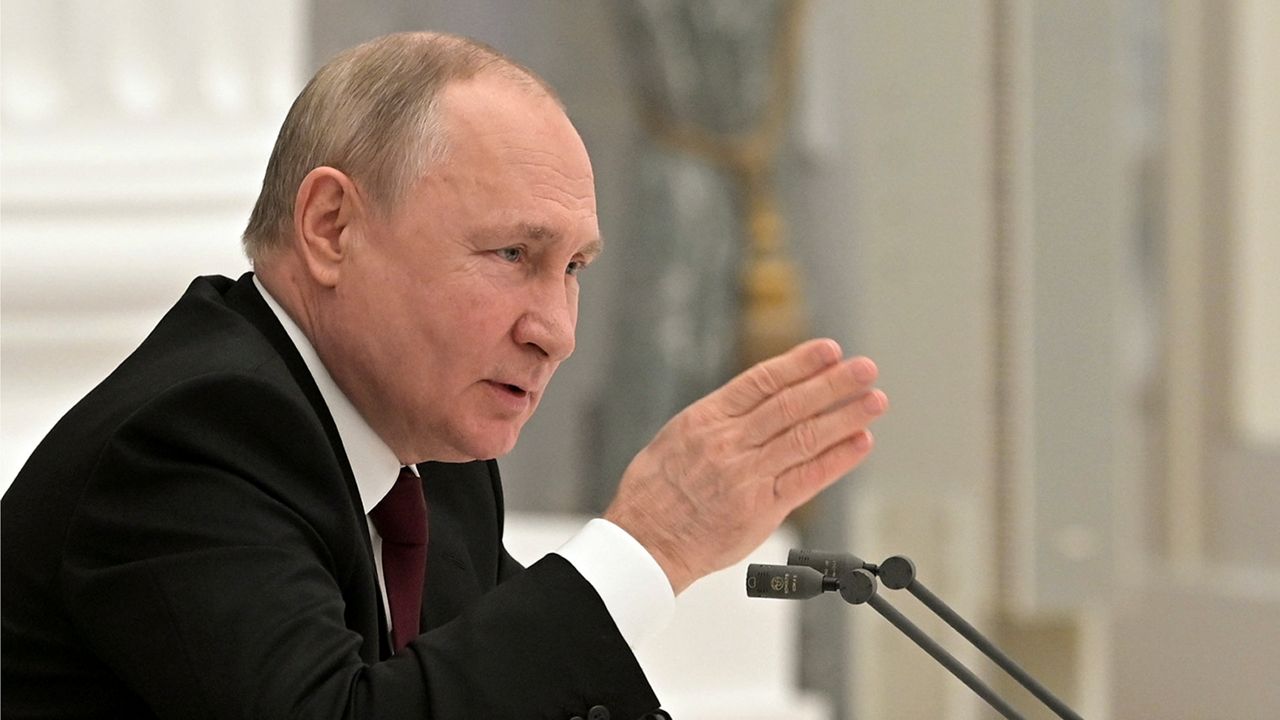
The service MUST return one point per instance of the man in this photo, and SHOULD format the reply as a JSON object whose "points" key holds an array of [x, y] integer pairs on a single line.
{"points": [[216, 530]]}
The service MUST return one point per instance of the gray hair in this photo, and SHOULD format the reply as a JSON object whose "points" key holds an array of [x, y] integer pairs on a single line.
{"points": [[373, 113]]}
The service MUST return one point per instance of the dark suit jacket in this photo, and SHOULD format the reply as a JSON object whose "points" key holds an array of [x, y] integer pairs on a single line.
{"points": [[188, 543]]}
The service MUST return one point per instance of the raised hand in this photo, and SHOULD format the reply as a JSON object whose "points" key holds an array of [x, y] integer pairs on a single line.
{"points": [[723, 474]]}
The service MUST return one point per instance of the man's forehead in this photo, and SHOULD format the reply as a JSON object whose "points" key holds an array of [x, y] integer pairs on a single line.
{"points": [[482, 94], [490, 118]]}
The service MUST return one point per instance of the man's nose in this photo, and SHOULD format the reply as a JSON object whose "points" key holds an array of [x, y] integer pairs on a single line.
{"points": [[549, 322]]}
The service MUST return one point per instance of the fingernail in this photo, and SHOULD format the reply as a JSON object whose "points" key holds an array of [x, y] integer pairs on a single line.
{"points": [[864, 370], [875, 402], [833, 353], [862, 442]]}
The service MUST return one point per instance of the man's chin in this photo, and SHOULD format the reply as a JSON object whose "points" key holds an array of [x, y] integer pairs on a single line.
{"points": [[498, 452], [456, 444], [487, 446]]}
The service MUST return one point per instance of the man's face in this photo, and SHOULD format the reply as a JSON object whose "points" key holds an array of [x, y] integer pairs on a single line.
{"points": [[456, 309]]}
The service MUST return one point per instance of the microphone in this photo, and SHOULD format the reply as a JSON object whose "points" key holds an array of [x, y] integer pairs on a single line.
{"points": [[810, 573], [787, 582], [830, 564]]}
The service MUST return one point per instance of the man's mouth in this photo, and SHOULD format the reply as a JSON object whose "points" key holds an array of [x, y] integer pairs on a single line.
{"points": [[511, 388]]}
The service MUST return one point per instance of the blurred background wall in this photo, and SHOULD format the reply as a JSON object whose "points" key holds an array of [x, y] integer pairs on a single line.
{"points": [[1054, 225]]}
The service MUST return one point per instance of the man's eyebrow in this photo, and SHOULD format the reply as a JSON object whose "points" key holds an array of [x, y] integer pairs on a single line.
{"points": [[593, 249]]}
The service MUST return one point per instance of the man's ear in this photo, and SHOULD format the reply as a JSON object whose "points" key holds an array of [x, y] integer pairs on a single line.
{"points": [[325, 213]]}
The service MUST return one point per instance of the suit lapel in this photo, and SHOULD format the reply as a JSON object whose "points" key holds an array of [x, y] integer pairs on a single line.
{"points": [[244, 298], [462, 549]]}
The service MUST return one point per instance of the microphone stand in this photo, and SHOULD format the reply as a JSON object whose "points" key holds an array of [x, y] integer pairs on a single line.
{"points": [[898, 572], [859, 586], [808, 574]]}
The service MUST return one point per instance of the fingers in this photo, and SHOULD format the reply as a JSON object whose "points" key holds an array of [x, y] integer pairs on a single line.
{"points": [[837, 385], [809, 438], [764, 380], [801, 482], [722, 474]]}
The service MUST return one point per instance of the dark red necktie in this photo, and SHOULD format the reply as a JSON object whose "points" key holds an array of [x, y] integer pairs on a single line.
{"points": [[401, 520]]}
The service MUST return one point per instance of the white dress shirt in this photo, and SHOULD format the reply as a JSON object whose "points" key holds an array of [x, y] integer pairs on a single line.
{"points": [[633, 587]]}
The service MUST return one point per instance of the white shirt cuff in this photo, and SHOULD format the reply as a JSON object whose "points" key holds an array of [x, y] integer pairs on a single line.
{"points": [[633, 587]]}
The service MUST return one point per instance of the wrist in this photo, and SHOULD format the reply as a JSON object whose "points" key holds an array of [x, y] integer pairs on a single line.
{"points": [[660, 549]]}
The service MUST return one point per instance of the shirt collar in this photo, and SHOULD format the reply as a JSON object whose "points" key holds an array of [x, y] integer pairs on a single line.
{"points": [[373, 462]]}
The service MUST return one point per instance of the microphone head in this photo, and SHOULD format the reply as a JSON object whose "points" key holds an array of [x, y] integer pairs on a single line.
{"points": [[785, 582], [857, 586], [827, 563], [897, 572]]}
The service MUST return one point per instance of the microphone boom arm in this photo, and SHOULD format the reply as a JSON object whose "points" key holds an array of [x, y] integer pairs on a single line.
{"points": [[810, 573], [898, 572], [859, 586]]}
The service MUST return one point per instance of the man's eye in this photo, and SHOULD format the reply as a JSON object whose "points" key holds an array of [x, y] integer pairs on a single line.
{"points": [[511, 254], [575, 267]]}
